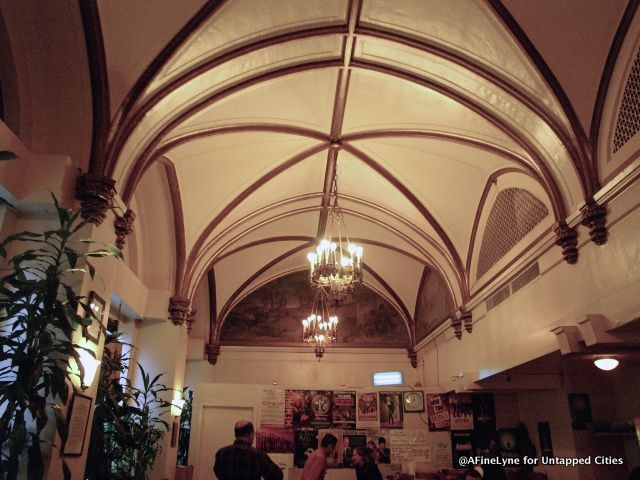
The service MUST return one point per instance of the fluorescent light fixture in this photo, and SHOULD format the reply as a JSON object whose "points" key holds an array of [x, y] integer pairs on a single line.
{"points": [[387, 378], [606, 363]]}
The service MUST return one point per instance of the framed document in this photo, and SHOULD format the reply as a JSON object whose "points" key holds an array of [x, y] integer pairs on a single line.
{"points": [[77, 421], [96, 305], [413, 401]]}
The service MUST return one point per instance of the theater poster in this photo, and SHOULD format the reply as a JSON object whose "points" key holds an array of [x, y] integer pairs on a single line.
{"points": [[272, 408], [461, 411], [306, 441], [438, 412], [367, 412], [275, 440], [321, 408], [344, 410], [391, 410]]}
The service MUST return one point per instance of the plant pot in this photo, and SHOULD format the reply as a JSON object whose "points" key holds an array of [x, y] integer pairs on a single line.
{"points": [[184, 472]]}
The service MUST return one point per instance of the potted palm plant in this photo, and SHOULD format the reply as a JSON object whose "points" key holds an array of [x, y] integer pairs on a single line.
{"points": [[39, 312]]}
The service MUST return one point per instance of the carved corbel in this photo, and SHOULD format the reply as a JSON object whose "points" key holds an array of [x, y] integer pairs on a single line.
{"points": [[178, 309], [124, 226], [95, 193], [567, 238], [456, 324], [212, 352], [191, 318], [466, 318], [594, 217], [413, 357]]}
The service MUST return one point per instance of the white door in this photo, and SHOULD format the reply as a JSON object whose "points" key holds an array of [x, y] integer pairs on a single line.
{"points": [[216, 431]]}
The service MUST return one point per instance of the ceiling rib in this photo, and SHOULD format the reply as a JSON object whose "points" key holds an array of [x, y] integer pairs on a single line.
{"points": [[126, 126], [119, 125], [451, 251], [494, 77], [132, 178], [558, 199], [195, 250], [580, 155], [178, 219]]}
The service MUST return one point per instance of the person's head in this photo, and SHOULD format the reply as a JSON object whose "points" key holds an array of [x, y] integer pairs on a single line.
{"points": [[328, 443], [397, 476], [361, 455], [345, 442], [472, 474], [382, 443], [371, 444], [244, 430]]}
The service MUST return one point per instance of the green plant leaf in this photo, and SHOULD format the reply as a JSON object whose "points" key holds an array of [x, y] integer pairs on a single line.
{"points": [[6, 155]]}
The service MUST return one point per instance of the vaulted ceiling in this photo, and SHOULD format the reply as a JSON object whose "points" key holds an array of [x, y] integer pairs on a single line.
{"points": [[230, 118]]}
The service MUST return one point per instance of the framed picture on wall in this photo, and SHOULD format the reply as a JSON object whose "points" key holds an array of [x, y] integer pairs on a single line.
{"points": [[94, 329], [413, 401], [77, 421]]}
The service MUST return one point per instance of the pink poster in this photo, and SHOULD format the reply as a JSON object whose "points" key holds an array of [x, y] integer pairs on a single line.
{"points": [[368, 413]]}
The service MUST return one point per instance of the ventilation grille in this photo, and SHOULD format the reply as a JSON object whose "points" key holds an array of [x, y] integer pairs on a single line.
{"points": [[628, 123], [497, 298], [519, 282], [514, 214], [525, 277]]}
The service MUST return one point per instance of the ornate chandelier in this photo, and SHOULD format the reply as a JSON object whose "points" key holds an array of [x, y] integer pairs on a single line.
{"points": [[320, 327], [336, 265]]}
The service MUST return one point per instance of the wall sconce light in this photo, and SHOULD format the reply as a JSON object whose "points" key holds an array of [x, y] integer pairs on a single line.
{"points": [[176, 407], [606, 363], [90, 366]]}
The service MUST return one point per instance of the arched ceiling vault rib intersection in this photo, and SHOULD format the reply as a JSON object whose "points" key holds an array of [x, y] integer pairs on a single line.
{"points": [[493, 77], [558, 199], [207, 259], [132, 176]]}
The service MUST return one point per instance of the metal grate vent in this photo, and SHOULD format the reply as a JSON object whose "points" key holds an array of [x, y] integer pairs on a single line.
{"points": [[514, 214], [628, 123], [498, 297], [525, 277]]}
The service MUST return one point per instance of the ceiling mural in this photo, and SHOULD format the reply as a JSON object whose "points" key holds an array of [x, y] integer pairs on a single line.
{"points": [[273, 314], [434, 304]]}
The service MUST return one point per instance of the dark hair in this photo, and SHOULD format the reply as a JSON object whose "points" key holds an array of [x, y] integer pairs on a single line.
{"points": [[382, 440], [364, 452], [243, 428], [473, 473], [328, 439]]}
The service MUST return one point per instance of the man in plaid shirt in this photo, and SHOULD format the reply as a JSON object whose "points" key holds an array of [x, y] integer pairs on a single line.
{"points": [[241, 461]]}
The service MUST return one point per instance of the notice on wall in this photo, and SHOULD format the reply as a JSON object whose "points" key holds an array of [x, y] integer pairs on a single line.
{"points": [[409, 446], [272, 408], [368, 414], [442, 453], [408, 437]]}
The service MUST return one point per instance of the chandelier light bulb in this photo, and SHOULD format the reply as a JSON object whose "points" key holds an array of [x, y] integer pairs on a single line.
{"points": [[606, 363]]}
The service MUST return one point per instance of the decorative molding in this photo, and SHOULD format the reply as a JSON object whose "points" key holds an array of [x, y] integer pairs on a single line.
{"points": [[413, 357], [124, 226], [594, 217], [96, 194], [212, 352], [191, 318], [567, 238], [178, 309], [466, 317], [456, 324]]}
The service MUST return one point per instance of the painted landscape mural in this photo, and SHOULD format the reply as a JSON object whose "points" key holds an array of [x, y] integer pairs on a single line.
{"points": [[273, 314]]}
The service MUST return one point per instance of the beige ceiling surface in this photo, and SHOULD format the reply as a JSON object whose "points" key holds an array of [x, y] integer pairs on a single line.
{"points": [[418, 106]]}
